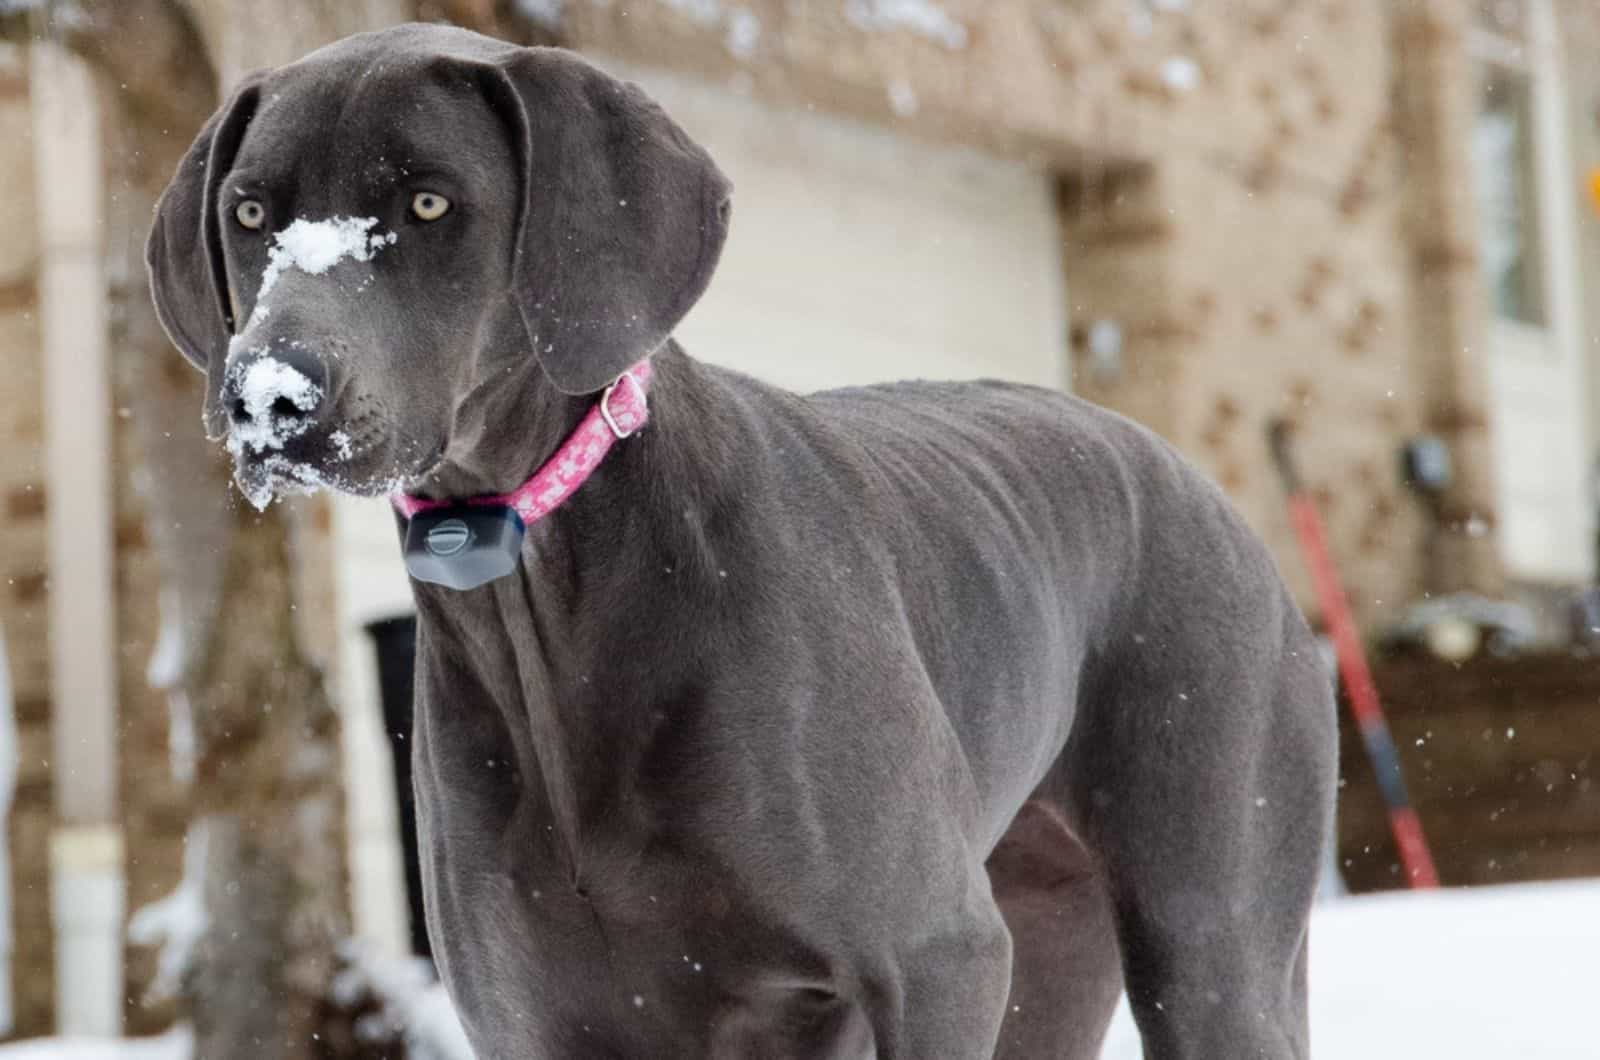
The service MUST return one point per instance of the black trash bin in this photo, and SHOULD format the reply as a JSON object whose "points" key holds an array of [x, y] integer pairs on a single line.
{"points": [[396, 642]]}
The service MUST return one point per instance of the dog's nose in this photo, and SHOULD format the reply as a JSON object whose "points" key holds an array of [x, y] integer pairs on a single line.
{"points": [[278, 393]]}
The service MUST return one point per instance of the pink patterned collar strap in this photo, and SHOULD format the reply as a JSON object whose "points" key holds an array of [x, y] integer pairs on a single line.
{"points": [[621, 411]]}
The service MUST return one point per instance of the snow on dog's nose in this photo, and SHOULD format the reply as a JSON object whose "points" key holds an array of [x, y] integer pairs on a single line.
{"points": [[278, 385], [270, 400], [274, 384]]}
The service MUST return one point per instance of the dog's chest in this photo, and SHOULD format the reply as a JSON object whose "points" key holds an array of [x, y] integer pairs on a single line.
{"points": [[652, 961], [630, 938]]}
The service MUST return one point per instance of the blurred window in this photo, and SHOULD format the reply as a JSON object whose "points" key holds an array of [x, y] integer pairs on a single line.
{"points": [[1505, 163]]}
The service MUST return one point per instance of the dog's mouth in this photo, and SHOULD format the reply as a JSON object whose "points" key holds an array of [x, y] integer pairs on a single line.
{"points": [[355, 457], [262, 479], [302, 464], [291, 429]]}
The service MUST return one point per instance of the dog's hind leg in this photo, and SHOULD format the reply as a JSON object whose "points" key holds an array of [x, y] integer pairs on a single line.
{"points": [[1066, 972], [1206, 777]]}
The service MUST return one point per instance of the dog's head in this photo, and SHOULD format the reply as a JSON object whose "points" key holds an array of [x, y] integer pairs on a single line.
{"points": [[375, 251]]}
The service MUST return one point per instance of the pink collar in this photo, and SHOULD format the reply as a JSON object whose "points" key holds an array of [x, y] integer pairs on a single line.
{"points": [[621, 411]]}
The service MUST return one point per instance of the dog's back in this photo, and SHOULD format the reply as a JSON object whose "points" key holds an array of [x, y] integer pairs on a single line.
{"points": [[1034, 546]]}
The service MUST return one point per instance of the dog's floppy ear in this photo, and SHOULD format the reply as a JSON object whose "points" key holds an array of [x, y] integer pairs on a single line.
{"points": [[622, 217], [188, 279]]}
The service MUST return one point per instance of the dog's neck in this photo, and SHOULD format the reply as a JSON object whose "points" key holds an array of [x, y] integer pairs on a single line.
{"points": [[563, 622], [647, 480]]}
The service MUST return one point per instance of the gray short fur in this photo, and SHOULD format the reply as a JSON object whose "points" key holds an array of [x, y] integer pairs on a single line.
{"points": [[892, 722]]}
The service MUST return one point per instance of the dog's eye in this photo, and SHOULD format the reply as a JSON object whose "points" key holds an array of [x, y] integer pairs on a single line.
{"points": [[251, 214], [429, 205]]}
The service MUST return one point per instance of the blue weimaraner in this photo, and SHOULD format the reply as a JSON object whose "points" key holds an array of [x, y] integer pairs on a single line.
{"points": [[906, 721]]}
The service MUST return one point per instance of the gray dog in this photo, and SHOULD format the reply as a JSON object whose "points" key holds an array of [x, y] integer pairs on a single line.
{"points": [[907, 721]]}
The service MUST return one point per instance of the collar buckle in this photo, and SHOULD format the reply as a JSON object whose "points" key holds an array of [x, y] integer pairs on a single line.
{"points": [[605, 406]]}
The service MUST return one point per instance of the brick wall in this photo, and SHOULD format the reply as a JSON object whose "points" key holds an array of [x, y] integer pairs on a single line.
{"points": [[1253, 267], [1235, 201], [23, 582]]}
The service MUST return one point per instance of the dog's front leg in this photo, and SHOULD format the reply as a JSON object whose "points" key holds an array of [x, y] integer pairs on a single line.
{"points": [[945, 996]]}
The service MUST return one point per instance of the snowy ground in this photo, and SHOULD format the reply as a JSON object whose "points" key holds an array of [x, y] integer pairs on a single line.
{"points": [[1479, 974], [174, 1045]]}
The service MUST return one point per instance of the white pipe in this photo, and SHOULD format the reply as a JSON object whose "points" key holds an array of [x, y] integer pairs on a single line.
{"points": [[86, 850], [86, 905], [8, 788]]}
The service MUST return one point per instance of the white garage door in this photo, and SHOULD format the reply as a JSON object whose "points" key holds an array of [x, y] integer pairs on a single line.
{"points": [[856, 255]]}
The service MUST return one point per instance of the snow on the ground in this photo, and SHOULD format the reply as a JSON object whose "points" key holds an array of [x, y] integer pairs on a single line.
{"points": [[410, 1000], [1471, 974], [1479, 974], [176, 1044]]}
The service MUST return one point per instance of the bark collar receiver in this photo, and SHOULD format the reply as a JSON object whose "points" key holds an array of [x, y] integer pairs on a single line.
{"points": [[464, 544]]}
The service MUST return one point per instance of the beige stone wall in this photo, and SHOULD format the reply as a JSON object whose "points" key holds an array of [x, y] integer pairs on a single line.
{"points": [[23, 582], [1254, 269], [1063, 80], [1234, 201]]}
